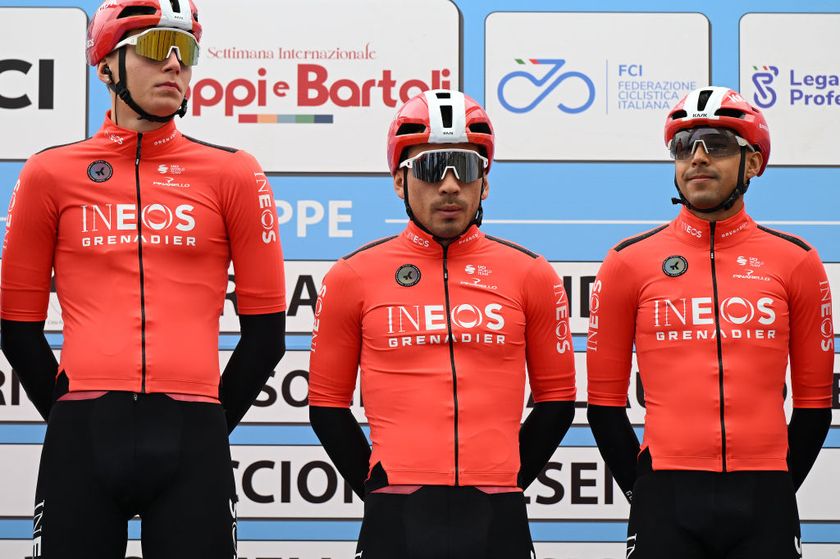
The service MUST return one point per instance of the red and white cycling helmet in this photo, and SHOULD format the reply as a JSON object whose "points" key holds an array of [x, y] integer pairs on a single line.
{"points": [[114, 18], [440, 116], [720, 107]]}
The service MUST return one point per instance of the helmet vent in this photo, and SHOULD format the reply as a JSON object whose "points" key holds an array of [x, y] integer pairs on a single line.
{"points": [[132, 11], [734, 113], [480, 128], [679, 114], [446, 115], [703, 98], [176, 5], [411, 128], [443, 95]]}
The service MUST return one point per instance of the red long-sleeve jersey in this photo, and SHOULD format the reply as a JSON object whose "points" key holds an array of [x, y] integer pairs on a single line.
{"points": [[442, 336], [141, 229], [714, 310]]}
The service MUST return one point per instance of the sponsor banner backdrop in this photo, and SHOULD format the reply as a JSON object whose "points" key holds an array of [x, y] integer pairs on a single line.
{"points": [[307, 93], [581, 86], [789, 69], [288, 482], [43, 79]]}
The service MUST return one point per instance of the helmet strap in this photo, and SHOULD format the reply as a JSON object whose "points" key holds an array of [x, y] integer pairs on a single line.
{"points": [[740, 189], [476, 220], [121, 90]]}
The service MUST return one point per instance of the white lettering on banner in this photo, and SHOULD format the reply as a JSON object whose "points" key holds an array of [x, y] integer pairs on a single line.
{"points": [[311, 212], [43, 88]]}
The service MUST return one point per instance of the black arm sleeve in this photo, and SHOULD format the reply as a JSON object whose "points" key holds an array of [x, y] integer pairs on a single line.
{"points": [[345, 443], [617, 443], [539, 437], [806, 433], [32, 360], [261, 346]]}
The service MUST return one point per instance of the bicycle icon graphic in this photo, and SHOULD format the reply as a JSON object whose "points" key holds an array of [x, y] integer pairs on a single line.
{"points": [[552, 74]]}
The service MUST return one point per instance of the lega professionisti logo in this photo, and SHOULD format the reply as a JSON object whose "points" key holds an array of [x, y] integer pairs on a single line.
{"points": [[763, 78]]}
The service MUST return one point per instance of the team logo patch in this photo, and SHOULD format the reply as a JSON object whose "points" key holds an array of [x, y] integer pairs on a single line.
{"points": [[100, 171], [675, 266], [407, 275]]}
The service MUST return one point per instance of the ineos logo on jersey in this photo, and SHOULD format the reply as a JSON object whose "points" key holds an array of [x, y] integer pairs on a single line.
{"points": [[694, 318], [405, 323], [562, 332], [826, 324], [268, 213], [122, 218], [699, 311]]}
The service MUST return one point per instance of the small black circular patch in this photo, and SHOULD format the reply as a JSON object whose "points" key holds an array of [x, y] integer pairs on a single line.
{"points": [[675, 266], [407, 275], [100, 171]]}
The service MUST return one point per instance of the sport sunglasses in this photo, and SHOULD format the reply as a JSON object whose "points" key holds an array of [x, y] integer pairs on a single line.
{"points": [[157, 44], [431, 166], [718, 142]]}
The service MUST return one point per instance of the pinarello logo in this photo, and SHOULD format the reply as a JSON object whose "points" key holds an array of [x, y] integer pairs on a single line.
{"points": [[249, 98]]}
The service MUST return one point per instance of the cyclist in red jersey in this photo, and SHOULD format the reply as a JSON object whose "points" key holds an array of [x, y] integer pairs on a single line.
{"points": [[715, 305], [442, 320], [140, 225]]}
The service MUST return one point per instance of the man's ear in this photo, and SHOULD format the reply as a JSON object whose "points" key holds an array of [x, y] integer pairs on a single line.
{"points": [[399, 177]]}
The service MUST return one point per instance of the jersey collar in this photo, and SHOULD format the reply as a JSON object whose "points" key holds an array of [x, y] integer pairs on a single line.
{"points": [[124, 139], [695, 231], [425, 243]]}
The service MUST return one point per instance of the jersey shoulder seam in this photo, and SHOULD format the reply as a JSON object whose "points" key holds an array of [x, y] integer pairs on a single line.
{"points": [[62, 145], [512, 245], [790, 238], [368, 246], [208, 144], [633, 240]]}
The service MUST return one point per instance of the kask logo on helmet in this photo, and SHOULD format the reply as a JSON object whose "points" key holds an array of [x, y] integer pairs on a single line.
{"points": [[312, 87]]}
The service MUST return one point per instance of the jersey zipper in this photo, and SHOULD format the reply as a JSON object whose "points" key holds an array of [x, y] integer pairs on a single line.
{"points": [[451, 359], [719, 347], [140, 259]]}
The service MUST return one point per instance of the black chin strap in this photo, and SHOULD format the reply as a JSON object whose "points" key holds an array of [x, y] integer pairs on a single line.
{"points": [[476, 220], [121, 89], [740, 189]]}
